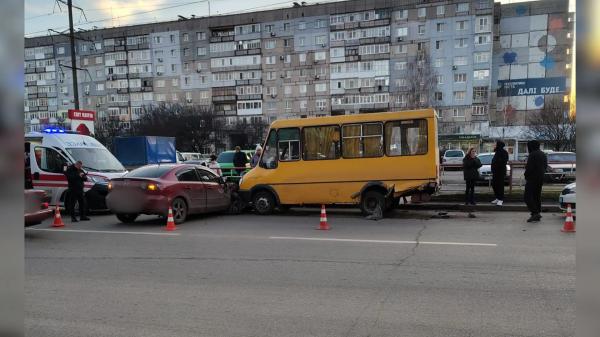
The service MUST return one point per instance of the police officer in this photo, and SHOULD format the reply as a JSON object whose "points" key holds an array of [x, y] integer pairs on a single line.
{"points": [[76, 178]]}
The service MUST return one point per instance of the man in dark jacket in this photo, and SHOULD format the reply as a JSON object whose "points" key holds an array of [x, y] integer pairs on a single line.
{"points": [[534, 179], [239, 160], [499, 162], [471, 164], [76, 178]]}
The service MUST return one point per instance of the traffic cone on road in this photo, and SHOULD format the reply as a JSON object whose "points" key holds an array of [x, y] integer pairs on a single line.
{"points": [[57, 219], [170, 221], [569, 226], [323, 225]]}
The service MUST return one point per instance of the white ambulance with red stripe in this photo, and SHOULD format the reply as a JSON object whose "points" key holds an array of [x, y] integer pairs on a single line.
{"points": [[51, 151]]}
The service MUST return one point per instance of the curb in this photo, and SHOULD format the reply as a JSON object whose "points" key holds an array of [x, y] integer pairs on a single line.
{"points": [[453, 206]]}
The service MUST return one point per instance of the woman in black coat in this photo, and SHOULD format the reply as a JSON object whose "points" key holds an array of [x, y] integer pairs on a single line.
{"points": [[471, 164]]}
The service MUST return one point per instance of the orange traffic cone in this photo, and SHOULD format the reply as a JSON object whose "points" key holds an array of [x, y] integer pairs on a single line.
{"points": [[170, 221], [57, 219], [323, 225], [569, 226]]}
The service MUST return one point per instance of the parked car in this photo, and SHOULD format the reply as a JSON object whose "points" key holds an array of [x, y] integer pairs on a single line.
{"points": [[567, 196], [453, 157], [225, 160], [151, 189], [485, 171], [561, 166], [36, 207]]}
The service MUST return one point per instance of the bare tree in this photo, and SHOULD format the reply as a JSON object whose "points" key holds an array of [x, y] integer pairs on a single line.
{"points": [[194, 127], [107, 128], [421, 79], [254, 129], [553, 125]]}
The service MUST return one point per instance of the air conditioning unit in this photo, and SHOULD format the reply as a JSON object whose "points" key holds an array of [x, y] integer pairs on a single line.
{"points": [[317, 77], [282, 76], [273, 95], [159, 73], [273, 34], [86, 92], [321, 108], [97, 104], [160, 59], [323, 45], [189, 100], [454, 67], [282, 57], [198, 71]]}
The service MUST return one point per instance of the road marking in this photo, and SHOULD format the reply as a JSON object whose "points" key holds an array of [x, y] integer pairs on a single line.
{"points": [[386, 241], [100, 232]]}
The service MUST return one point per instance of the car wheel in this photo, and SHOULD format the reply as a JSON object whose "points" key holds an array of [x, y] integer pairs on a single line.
{"points": [[371, 201], [264, 202], [180, 210], [127, 218]]}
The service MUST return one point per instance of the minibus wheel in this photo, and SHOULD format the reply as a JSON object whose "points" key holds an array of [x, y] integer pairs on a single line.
{"points": [[264, 202], [371, 200]]}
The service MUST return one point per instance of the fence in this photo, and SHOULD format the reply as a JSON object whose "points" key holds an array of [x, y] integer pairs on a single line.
{"points": [[557, 174]]}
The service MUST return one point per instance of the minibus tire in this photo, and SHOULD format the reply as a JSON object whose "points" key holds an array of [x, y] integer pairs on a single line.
{"points": [[127, 218], [263, 202], [372, 197]]}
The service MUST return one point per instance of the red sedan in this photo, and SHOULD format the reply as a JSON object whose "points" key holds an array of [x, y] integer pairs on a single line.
{"points": [[36, 207], [151, 189]]}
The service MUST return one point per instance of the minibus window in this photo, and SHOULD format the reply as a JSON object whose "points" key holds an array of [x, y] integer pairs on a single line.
{"points": [[49, 160], [289, 144], [269, 155], [321, 142], [362, 140], [406, 138]]}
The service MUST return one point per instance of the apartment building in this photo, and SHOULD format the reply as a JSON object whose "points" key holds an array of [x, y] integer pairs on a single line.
{"points": [[311, 60]]}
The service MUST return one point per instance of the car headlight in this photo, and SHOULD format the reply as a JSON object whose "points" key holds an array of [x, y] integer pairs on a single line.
{"points": [[568, 191]]}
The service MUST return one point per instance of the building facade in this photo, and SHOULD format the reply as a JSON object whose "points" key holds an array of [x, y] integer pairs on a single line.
{"points": [[315, 60]]}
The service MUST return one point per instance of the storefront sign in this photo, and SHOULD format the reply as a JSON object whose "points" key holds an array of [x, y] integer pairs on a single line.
{"points": [[82, 115], [82, 121], [532, 86]]}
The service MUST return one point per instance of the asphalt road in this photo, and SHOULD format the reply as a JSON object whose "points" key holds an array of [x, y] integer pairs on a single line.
{"points": [[248, 275]]}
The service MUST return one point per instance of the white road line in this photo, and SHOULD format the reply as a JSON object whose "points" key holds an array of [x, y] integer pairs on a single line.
{"points": [[386, 241], [100, 232]]}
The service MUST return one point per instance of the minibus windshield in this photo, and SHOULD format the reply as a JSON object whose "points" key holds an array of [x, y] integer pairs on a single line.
{"points": [[96, 159]]}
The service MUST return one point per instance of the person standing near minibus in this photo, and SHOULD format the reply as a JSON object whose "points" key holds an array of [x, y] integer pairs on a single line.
{"points": [[499, 162], [76, 179], [256, 157], [471, 164], [214, 165], [239, 161], [535, 169]]}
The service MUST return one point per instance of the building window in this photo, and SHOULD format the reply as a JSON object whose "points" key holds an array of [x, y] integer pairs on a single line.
{"points": [[402, 14], [483, 25], [438, 63], [460, 60], [440, 10], [479, 110], [201, 51], [421, 46], [287, 42], [320, 55], [421, 29], [321, 40], [401, 49], [460, 78], [268, 28], [270, 44], [481, 74], [461, 25], [402, 31], [458, 112], [462, 7], [480, 93], [439, 27], [438, 44], [422, 12], [200, 36], [439, 96], [459, 96], [286, 26], [439, 79], [483, 39], [186, 37], [302, 57], [302, 25], [481, 57], [460, 43]]}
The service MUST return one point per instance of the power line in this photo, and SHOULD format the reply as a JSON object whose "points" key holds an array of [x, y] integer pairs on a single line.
{"points": [[123, 16]]}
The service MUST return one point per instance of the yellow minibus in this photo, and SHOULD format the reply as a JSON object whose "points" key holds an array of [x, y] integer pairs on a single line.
{"points": [[370, 160]]}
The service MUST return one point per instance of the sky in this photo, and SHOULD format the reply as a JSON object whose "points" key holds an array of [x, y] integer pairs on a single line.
{"points": [[41, 15]]}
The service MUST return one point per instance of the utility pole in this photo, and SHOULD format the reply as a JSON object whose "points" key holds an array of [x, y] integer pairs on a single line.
{"points": [[73, 60]]}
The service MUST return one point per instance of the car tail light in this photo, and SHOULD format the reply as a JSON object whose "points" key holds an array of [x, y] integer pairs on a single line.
{"points": [[151, 187], [110, 185]]}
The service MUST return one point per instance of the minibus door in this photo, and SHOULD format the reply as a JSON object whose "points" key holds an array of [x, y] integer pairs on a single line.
{"points": [[48, 171]]}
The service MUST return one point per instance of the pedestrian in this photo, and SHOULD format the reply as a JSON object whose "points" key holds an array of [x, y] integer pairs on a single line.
{"points": [[239, 161], [256, 157], [76, 178], [214, 165], [535, 169], [471, 164], [499, 162]]}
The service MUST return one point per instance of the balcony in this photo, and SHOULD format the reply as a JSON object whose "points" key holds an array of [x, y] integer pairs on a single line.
{"points": [[217, 39], [372, 40], [224, 98], [250, 97], [248, 82], [374, 23], [253, 51]]}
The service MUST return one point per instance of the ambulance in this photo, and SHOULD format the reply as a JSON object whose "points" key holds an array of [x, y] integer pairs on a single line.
{"points": [[50, 152]]}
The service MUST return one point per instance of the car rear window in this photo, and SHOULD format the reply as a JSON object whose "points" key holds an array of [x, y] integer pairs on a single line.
{"points": [[149, 171], [225, 157], [485, 160], [562, 157], [453, 154]]}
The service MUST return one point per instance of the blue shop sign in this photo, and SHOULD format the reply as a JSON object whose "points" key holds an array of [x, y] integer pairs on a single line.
{"points": [[532, 86]]}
